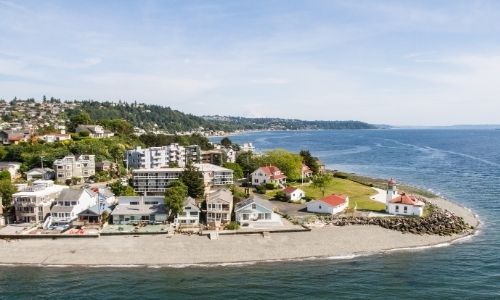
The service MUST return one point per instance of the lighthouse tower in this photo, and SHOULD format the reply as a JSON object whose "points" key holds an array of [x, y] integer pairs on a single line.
{"points": [[392, 191]]}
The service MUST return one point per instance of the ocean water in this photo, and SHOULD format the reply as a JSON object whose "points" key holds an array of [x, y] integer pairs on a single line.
{"points": [[461, 165]]}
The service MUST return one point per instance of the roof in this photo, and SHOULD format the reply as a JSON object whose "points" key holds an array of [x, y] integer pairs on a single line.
{"points": [[60, 208], [223, 195], [40, 170], [407, 199], [94, 210], [272, 171], [290, 189], [306, 169], [211, 168], [158, 170], [191, 202], [141, 209], [73, 194], [334, 200], [254, 199]]}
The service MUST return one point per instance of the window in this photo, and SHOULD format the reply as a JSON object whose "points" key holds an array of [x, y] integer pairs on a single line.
{"points": [[397, 208], [405, 209], [245, 216], [134, 203], [254, 206]]}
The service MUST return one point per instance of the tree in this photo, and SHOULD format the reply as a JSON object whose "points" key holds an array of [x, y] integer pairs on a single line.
{"points": [[248, 162], [288, 162], [226, 142], [6, 191], [5, 175], [175, 195], [310, 161], [82, 118], [322, 181], [193, 179], [237, 170]]}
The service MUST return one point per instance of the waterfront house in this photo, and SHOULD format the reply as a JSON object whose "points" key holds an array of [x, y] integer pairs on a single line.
{"points": [[219, 206], [256, 212], [402, 204], [137, 209], [40, 173], [32, 202], [268, 174], [69, 204], [332, 204], [190, 215], [294, 194]]}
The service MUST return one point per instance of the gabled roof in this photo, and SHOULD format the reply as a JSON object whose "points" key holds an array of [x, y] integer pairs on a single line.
{"points": [[407, 199], [191, 203], [40, 170], [290, 189], [334, 200], [272, 171], [70, 194], [223, 195], [254, 199]]}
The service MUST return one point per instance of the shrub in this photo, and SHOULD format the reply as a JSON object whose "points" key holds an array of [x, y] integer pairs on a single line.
{"points": [[233, 226], [280, 196], [307, 198], [270, 186], [261, 189]]}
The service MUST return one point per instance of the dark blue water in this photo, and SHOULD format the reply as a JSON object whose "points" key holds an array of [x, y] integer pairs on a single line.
{"points": [[462, 165]]}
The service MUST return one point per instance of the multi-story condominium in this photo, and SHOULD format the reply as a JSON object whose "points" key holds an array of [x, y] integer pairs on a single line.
{"points": [[70, 166], [219, 206], [154, 181], [95, 131], [32, 203], [69, 204], [214, 156], [157, 157]]}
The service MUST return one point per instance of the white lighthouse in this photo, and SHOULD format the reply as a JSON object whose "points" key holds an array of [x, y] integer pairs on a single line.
{"points": [[392, 191]]}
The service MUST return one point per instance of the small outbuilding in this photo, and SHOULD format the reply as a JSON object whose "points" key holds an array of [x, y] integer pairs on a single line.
{"points": [[294, 194], [332, 204]]}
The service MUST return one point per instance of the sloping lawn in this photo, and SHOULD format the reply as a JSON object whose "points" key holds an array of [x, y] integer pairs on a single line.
{"points": [[358, 194]]}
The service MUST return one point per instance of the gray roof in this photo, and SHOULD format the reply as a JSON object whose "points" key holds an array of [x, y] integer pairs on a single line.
{"points": [[254, 198], [72, 194], [40, 170], [94, 211], [192, 203], [141, 209], [223, 194]]}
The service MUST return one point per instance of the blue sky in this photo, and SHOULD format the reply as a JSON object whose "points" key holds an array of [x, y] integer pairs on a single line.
{"points": [[391, 62]]}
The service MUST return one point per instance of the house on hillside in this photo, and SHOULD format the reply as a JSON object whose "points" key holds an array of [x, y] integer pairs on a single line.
{"points": [[95, 131], [401, 203], [12, 167], [294, 194], [268, 174], [40, 173], [332, 204], [256, 212]]}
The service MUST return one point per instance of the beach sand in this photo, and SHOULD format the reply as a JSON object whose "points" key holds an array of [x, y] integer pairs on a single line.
{"points": [[182, 250]]}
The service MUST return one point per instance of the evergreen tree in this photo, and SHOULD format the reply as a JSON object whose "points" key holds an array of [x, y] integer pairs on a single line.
{"points": [[174, 197], [310, 161], [193, 179]]}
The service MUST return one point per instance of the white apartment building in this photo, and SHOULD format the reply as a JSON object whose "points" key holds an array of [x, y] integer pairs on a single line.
{"points": [[154, 181], [157, 157], [32, 203], [70, 166]]}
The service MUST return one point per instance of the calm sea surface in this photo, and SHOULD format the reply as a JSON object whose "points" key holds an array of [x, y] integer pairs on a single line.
{"points": [[461, 165]]}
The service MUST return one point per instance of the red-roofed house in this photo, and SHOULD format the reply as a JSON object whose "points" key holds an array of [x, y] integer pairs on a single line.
{"points": [[332, 204], [402, 204], [268, 174], [294, 194], [306, 171]]}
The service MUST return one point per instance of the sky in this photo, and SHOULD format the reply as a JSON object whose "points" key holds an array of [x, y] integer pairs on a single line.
{"points": [[383, 62]]}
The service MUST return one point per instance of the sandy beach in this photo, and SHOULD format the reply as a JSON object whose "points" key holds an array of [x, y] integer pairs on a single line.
{"points": [[182, 249]]}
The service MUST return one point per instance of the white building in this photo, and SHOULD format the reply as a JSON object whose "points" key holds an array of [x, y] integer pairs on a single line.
{"points": [[215, 175], [55, 137], [69, 204], [256, 212], [40, 173], [190, 215], [219, 206], [95, 131], [332, 204], [247, 147], [12, 167], [157, 157], [402, 204], [137, 209], [70, 166], [268, 174], [32, 203], [294, 194]]}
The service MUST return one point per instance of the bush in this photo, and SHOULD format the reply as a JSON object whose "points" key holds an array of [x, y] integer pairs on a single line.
{"points": [[270, 186], [280, 196], [233, 226], [261, 189], [307, 198]]}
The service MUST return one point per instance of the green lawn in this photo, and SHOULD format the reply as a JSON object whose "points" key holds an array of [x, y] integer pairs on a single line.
{"points": [[358, 194]]}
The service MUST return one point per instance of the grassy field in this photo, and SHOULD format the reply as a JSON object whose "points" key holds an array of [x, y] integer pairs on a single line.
{"points": [[358, 193]]}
